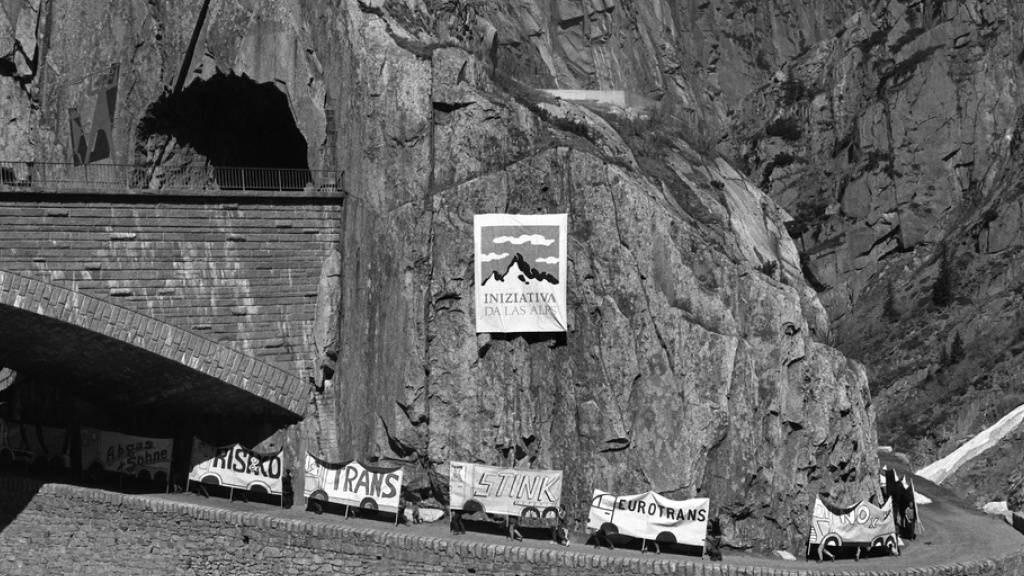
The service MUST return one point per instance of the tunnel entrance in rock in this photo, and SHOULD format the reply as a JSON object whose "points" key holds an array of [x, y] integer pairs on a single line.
{"points": [[230, 121]]}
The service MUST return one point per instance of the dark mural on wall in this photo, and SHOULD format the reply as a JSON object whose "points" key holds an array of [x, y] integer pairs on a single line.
{"points": [[98, 143]]}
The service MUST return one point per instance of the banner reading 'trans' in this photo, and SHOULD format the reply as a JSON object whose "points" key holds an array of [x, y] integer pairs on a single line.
{"points": [[520, 272]]}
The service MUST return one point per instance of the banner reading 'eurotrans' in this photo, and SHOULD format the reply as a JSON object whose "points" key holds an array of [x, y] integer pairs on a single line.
{"points": [[520, 272], [651, 516], [236, 467], [353, 484], [510, 491], [126, 454]]}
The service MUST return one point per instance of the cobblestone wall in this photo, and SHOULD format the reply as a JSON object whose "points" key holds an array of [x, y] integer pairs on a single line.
{"points": [[242, 271], [59, 529]]}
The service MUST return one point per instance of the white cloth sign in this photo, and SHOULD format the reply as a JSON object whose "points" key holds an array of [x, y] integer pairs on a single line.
{"points": [[236, 467], [353, 484], [520, 272], [32, 442], [509, 491], [652, 516], [863, 525], [125, 453]]}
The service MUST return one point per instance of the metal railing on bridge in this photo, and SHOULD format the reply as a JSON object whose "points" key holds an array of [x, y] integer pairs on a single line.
{"points": [[56, 176]]}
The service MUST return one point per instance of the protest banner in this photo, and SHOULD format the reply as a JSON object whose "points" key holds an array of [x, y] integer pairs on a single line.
{"points": [[126, 454], [520, 272], [864, 525], [353, 484], [900, 491], [509, 491], [236, 467], [650, 516], [34, 443]]}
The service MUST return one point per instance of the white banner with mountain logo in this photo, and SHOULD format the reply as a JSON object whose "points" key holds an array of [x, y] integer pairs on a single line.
{"points": [[520, 272]]}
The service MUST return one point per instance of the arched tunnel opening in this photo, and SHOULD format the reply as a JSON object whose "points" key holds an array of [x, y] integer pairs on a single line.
{"points": [[45, 423], [69, 393], [234, 123]]}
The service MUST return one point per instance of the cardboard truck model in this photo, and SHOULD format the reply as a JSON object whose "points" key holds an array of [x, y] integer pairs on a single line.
{"points": [[32, 444], [236, 467], [863, 525], [371, 488]]}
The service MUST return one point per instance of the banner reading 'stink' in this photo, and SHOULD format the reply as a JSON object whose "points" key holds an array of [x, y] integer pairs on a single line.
{"points": [[520, 272], [510, 491]]}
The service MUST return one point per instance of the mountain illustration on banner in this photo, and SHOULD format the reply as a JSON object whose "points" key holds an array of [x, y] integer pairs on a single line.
{"points": [[520, 270]]}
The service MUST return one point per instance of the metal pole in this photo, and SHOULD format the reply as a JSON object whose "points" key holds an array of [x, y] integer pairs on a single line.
{"points": [[231, 495]]}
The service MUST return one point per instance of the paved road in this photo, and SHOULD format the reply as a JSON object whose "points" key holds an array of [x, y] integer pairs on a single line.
{"points": [[951, 532]]}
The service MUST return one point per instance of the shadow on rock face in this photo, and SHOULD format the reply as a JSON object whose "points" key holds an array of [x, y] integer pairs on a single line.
{"points": [[232, 121]]}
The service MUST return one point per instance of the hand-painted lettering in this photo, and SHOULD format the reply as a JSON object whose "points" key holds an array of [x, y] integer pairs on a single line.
{"points": [[376, 481], [390, 484], [350, 477], [240, 461], [483, 487]]}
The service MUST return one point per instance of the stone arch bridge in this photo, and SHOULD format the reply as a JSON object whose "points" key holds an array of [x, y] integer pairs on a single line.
{"points": [[194, 289]]}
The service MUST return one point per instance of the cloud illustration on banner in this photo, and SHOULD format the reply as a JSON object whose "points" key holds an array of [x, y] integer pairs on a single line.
{"points": [[534, 239], [548, 260], [491, 256]]}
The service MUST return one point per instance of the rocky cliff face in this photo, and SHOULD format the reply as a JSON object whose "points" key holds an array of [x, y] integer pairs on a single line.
{"points": [[894, 143], [695, 362]]}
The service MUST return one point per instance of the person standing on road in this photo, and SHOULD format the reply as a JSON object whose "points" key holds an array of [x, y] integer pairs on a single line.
{"points": [[287, 492], [561, 529], [457, 527], [714, 540], [513, 529]]}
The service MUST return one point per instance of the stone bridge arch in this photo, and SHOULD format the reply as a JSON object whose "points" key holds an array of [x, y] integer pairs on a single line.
{"points": [[122, 356]]}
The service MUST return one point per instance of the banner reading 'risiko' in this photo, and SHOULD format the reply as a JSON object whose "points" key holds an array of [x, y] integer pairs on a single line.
{"points": [[520, 272], [650, 515], [236, 467], [510, 491]]}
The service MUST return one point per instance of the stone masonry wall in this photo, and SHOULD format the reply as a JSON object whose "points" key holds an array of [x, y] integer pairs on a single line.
{"points": [[242, 271], [60, 529]]}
